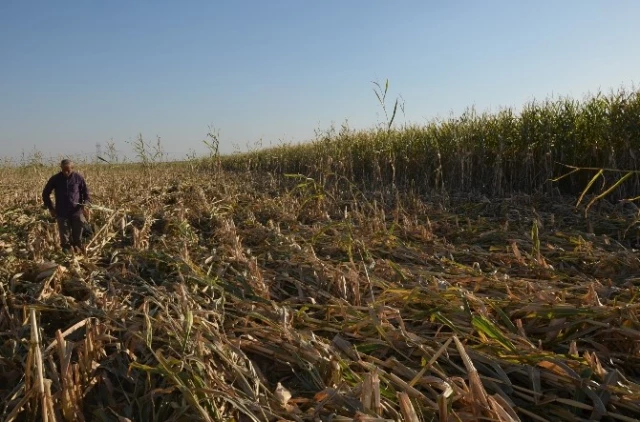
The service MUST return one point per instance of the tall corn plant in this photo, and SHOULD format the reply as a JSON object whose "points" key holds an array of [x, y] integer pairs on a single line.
{"points": [[147, 154], [381, 94], [212, 142]]}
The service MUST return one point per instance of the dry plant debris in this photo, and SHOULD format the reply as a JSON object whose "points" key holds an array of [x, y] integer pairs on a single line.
{"points": [[243, 297]]}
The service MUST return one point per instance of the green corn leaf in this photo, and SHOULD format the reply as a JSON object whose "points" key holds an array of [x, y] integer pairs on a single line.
{"points": [[189, 326], [593, 180], [393, 115], [486, 327], [608, 191], [575, 170]]}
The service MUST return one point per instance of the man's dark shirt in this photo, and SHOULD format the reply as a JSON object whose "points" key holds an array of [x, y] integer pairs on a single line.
{"points": [[69, 192]]}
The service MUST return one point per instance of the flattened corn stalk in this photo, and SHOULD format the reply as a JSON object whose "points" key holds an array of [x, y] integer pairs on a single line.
{"points": [[246, 304]]}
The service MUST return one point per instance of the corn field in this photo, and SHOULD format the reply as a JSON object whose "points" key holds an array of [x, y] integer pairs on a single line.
{"points": [[494, 154], [319, 283]]}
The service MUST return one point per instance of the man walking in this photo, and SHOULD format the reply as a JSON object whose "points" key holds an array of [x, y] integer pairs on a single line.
{"points": [[70, 193]]}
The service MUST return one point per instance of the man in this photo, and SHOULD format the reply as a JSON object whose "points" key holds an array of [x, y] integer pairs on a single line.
{"points": [[70, 193]]}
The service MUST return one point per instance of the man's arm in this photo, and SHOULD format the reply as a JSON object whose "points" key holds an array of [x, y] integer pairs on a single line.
{"points": [[46, 194]]}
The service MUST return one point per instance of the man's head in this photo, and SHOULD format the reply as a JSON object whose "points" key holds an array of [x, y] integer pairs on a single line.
{"points": [[67, 167]]}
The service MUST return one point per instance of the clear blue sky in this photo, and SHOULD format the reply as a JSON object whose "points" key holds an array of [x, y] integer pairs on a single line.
{"points": [[73, 73]]}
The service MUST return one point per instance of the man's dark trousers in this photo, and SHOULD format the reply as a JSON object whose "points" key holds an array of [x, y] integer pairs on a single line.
{"points": [[70, 230]]}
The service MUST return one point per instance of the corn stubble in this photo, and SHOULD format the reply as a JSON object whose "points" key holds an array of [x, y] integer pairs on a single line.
{"points": [[245, 296]]}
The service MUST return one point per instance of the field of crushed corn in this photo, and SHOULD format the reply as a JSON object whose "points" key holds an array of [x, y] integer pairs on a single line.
{"points": [[243, 297]]}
